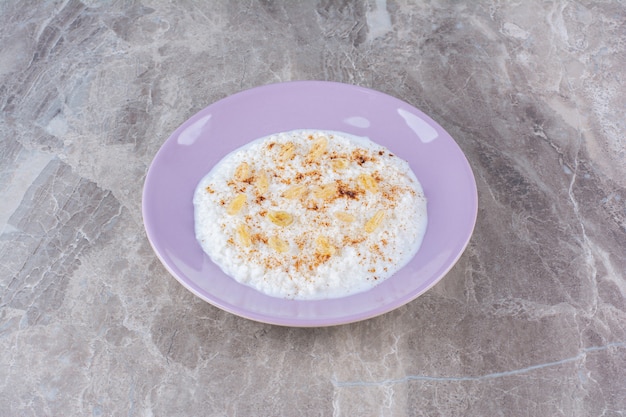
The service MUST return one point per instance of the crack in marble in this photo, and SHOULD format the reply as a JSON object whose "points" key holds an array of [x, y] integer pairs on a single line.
{"points": [[495, 375], [169, 349], [588, 246]]}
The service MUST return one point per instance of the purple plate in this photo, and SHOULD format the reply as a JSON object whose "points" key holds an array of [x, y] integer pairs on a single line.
{"points": [[192, 150]]}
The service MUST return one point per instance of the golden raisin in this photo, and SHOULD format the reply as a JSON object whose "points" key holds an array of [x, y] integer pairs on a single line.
{"points": [[324, 247], [242, 172], [236, 204], [373, 223], [294, 192], [262, 182], [287, 151], [368, 182], [326, 191], [278, 244], [317, 149], [339, 164], [344, 217], [243, 235], [280, 218]]}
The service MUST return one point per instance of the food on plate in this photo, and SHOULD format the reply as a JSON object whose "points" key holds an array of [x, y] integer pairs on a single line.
{"points": [[310, 214]]}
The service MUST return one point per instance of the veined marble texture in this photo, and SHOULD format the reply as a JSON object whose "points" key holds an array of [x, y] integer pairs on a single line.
{"points": [[530, 322]]}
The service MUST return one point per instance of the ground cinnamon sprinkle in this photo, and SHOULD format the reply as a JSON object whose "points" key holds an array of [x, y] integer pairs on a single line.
{"points": [[271, 240]]}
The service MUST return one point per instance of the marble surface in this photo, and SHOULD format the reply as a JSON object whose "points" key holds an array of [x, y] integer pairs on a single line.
{"points": [[530, 322]]}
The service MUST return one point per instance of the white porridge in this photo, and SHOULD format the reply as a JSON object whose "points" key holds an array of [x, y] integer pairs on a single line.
{"points": [[310, 214]]}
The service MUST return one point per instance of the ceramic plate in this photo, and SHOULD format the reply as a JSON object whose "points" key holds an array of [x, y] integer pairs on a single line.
{"points": [[192, 150]]}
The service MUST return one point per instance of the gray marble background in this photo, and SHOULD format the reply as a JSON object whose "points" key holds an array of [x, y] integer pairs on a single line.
{"points": [[530, 322]]}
